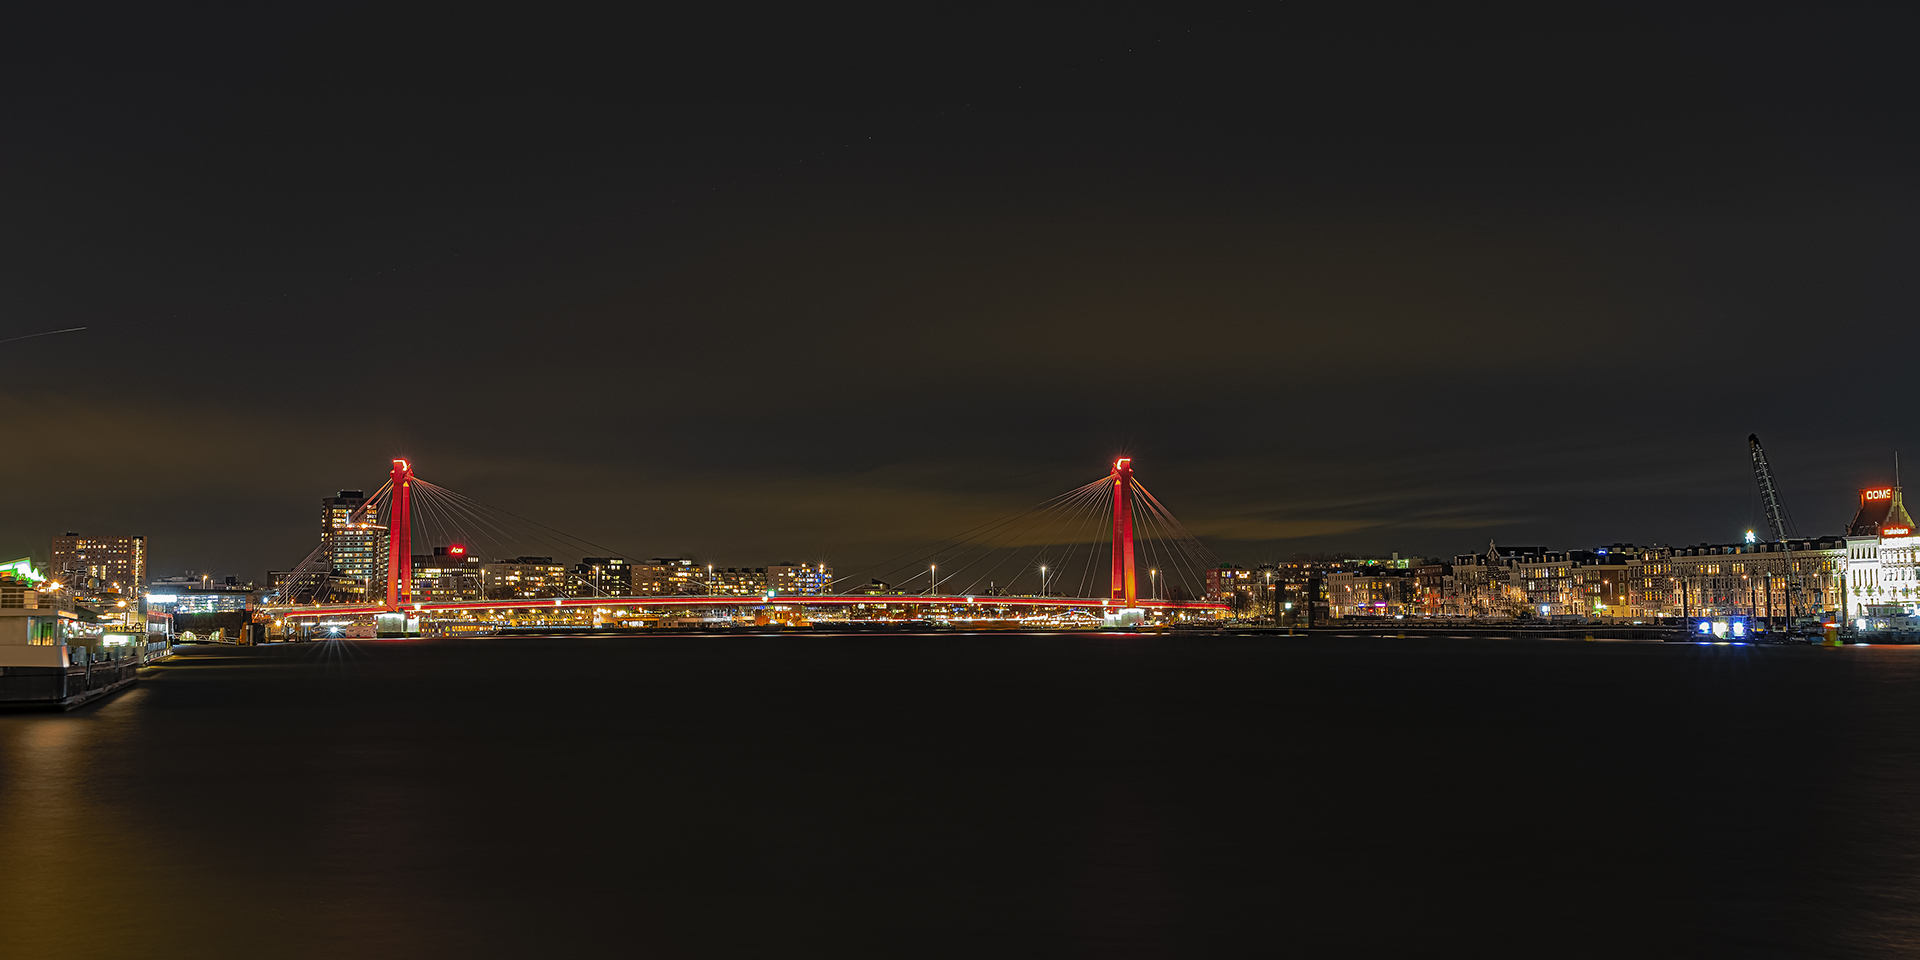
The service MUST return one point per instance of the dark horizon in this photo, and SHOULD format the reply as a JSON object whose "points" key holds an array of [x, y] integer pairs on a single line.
{"points": [[818, 284]]}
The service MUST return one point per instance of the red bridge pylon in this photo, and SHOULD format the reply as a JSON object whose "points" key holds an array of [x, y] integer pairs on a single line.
{"points": [[400, 537], [1123, 578]]}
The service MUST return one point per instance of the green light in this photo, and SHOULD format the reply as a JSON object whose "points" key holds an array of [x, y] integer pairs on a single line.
{"points": [[22, 568]]}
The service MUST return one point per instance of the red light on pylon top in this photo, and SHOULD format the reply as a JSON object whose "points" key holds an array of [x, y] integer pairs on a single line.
{"points": [[403, 466], [1121, 463]]}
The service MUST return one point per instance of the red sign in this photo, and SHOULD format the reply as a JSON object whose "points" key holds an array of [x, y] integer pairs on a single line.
{"points": [[1895, 531], [456, 549], [1878, 493]]}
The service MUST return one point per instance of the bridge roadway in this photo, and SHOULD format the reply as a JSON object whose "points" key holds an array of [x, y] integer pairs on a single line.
{"points": [[833, 600]]}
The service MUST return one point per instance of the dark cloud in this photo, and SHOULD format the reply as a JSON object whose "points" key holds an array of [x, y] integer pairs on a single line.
{"points": [[755, 285]]}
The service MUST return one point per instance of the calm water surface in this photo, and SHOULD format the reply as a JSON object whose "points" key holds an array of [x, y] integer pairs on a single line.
{"points": [[962, 796]]}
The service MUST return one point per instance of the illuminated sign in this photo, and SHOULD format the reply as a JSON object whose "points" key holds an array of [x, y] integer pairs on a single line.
{"points": [[1895, 531], [1878, 493], [23, 569], [456, 549]]}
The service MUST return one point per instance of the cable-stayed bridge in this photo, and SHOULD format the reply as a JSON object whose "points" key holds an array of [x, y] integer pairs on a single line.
{"points": [[1074, 559]]}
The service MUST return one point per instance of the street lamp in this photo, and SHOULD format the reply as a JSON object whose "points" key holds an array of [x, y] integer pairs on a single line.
{"points": [[1043, 579], [933, 582], [1153, 582]]}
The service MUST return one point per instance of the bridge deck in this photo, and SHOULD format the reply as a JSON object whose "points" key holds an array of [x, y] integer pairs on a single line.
{"points": [[833, 600]]}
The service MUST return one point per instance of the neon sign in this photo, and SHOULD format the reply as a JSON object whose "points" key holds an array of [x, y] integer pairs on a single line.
{"points": [[1896, 531], [1878, 493], [456, 549]]}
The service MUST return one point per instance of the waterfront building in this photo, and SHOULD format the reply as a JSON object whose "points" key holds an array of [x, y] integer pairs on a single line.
{"points": [[1602, 581], [89, 565], [1488, 585], [1435, 593], [198, 593], [1753, 579], [1546, 579], [800, 579], [1652, 590], [448, 574], [1378, 592], [352, 545], [1228, 582], [739, 581], [668, 576], [603, 577], [523, 578], [1880, 568], [1582, 583]]}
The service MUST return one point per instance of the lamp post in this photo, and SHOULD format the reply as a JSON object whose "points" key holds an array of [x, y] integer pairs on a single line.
{"points": [[933, 581], [710, 580], [1153, 582]]}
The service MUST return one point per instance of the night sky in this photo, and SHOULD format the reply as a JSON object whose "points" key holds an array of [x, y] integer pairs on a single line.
{"points": [[757, 286]]}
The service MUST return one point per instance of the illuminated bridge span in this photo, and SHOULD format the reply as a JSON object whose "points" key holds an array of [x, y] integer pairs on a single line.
{"points": [[1096, 535]]}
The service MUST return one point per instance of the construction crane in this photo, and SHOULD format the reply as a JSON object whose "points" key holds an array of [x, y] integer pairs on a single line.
{"points": [[1778, 519]]}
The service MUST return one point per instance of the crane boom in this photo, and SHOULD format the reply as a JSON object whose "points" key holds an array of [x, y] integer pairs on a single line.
{"points": [[1778, 520]]}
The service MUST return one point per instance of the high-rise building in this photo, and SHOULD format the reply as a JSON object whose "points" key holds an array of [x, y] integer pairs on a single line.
{"points": [[353, 545], [338, 511], [100, 564]]}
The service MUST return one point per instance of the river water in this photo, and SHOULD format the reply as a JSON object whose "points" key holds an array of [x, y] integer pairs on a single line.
{"points": [[973, 796]]}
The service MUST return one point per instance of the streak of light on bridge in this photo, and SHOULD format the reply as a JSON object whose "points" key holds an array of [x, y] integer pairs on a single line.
{"points": [[695, 602]]}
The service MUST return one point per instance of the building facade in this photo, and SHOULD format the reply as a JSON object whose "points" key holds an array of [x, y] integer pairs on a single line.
{"points": [[603, 577], [739, 581], [800, 579], [668, 577], [523, 578], [446, 575], [1880, 570], [353, 546], [92, 565], [1751, 579]]}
